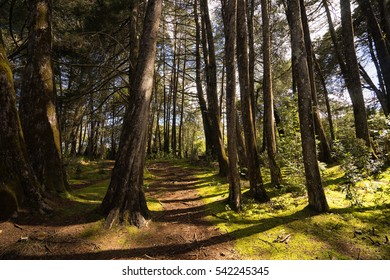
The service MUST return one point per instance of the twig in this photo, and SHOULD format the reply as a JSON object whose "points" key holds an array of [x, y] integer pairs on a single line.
{"points": [[286, 238], [47, 248], [374, 242], [149, 257], [17, 226], [269, 243]]}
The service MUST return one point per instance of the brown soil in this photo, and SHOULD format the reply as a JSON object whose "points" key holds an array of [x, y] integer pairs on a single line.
{"points": [[179, 231]]}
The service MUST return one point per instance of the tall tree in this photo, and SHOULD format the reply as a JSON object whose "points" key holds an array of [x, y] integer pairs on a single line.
{"points": [[125, 199], [18, 184], [250, 10], [199, 83], [212, 90], [255, 179], [324, 147], [381, 42], [351, 77], [269, 121], [229, 17], [38, 101], [317, 199]]}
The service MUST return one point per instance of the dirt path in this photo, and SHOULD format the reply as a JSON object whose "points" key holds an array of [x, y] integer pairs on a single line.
{"points": [[179, 231], [182, 228]]}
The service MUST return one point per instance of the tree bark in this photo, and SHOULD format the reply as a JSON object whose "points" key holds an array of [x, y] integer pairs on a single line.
{"points": [[18, 185], [212, 91], [38, 101], [269, 121], [380, 42], [125, 200], [352, 83], [352, 78], [325, 154], [199, 87], [252, 57], [180, 149], [326, 95], [317, 199], [255, 180], [242, 158], [229, 13]]}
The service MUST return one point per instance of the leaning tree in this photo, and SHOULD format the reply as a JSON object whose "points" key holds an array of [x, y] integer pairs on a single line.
{"points": [[125, 200]]}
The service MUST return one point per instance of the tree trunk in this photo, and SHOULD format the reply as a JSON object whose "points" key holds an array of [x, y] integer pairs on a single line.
{"points": [[380, 42], [199, 87], [269, 121], [212, 92], [38, 102], [242, 158], [384, 8], [256, 181], [325, 153], [252, 58], [229, 12], [359, 111], [134, 38], [352, 75], [174, 88], [125, 199], [317, 199], [180, 150], [326, 95], [18, 185]]}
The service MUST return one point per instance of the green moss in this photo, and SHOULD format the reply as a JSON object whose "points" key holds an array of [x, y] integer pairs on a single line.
{"points": [[93, 194], [326, 236], [92, 230]]}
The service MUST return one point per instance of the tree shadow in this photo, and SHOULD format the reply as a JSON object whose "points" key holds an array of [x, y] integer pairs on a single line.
{"points": [[176, 251]]}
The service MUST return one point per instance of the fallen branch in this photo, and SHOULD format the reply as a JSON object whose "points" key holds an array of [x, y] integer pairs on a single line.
{"points": [[17, 226], [284, 239], [149, 257], [374, 242]]}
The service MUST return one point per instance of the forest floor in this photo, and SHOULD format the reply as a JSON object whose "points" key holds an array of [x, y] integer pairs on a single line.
{"points": [[178, 229], [190, 220]]}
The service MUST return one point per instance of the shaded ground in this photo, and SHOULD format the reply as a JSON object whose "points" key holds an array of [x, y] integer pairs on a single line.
{"points": [[178, 229], [192, 221]]}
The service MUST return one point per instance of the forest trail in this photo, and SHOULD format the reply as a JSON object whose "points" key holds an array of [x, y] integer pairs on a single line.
{"points": [[178, 231], [183, 229]]}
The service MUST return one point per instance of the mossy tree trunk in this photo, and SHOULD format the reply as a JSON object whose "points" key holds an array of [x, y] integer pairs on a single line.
{"points": [[38, 102], [317, 199], [125, 200], [18, 185]]}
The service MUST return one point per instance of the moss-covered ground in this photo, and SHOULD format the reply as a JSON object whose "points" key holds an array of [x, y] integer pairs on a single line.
{"points": [[285, 228], [281, 229]]}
